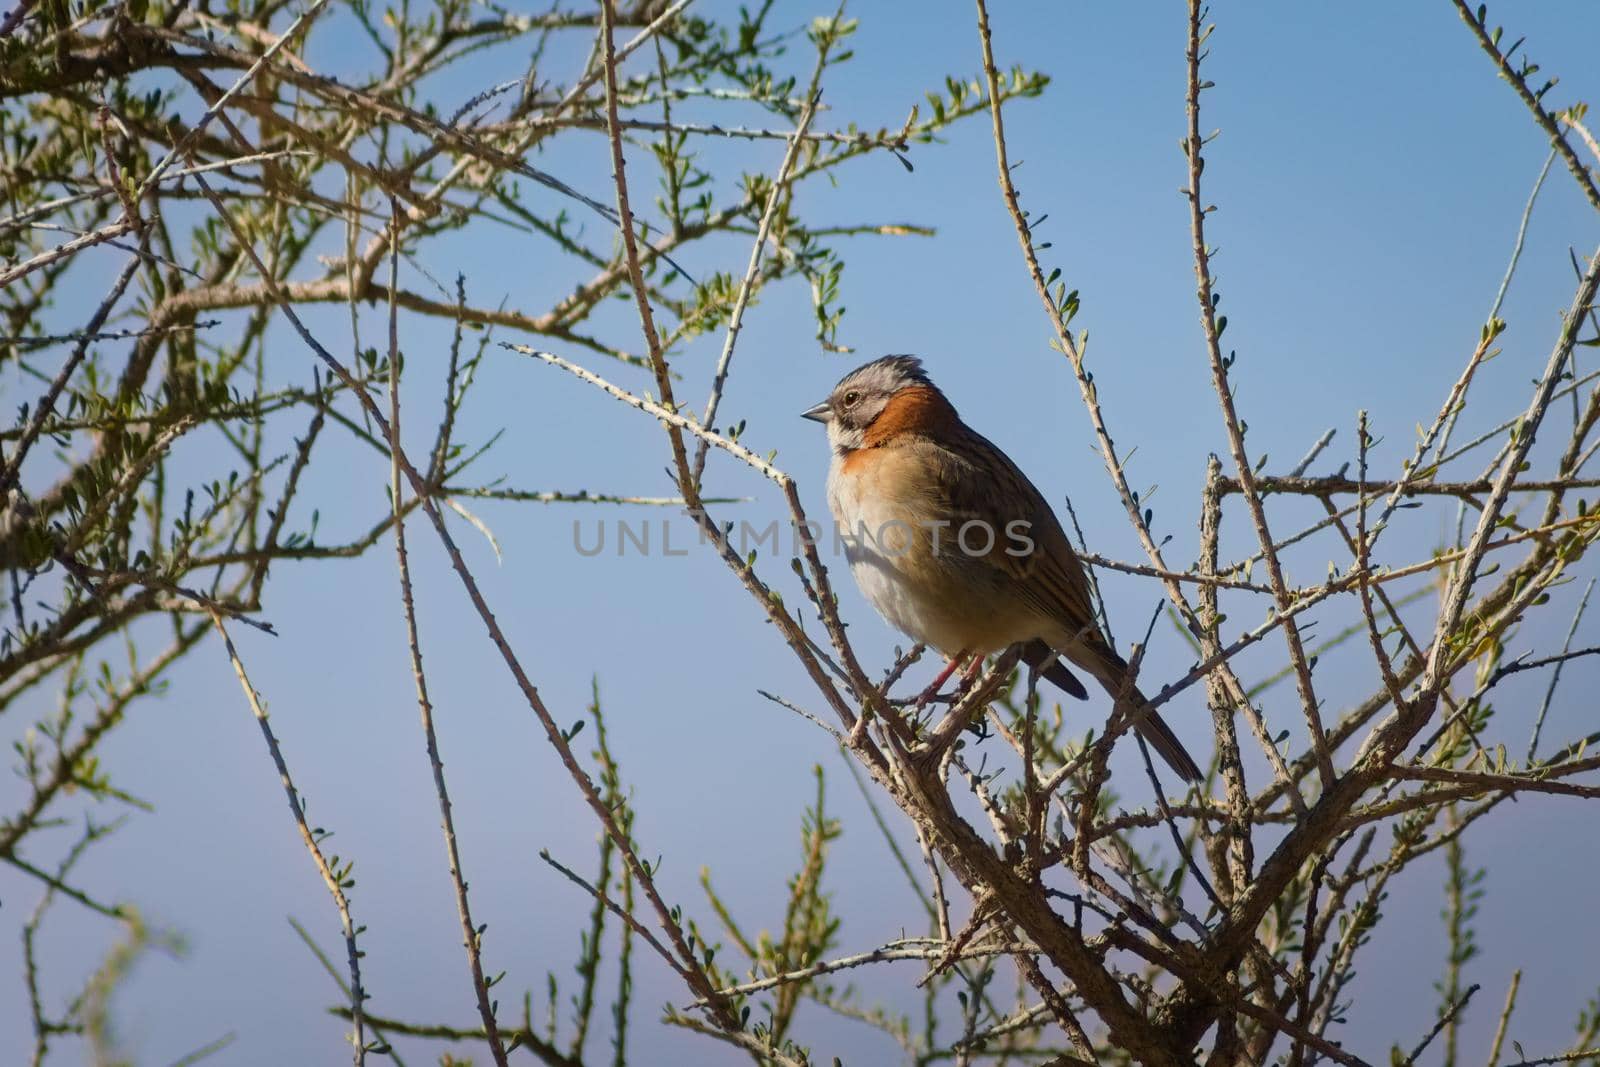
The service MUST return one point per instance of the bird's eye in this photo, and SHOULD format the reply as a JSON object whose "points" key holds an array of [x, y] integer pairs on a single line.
{"points": [[850, 398]]}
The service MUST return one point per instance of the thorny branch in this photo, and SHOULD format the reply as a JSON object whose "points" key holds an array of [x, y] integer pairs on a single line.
{"points": [[1224, 921]]}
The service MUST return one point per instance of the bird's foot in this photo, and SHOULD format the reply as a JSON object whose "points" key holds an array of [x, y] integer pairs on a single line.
{"points": [[969, 677], [932, 691]]}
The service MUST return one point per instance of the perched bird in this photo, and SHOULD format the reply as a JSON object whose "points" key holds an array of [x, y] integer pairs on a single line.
{"points": [[953, 544]]}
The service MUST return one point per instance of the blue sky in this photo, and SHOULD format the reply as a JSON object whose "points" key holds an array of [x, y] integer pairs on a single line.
{"points": [[1370, 175]]}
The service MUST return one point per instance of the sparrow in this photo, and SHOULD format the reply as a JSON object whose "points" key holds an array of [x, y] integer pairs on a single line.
{"points": [[955, 547]]}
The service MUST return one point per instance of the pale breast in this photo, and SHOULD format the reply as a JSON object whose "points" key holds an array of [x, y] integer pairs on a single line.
{"points": [[886, 529]]}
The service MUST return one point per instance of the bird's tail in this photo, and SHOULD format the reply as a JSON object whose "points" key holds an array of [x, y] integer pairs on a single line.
{"points": [[1111, 671], [1154, 729]]}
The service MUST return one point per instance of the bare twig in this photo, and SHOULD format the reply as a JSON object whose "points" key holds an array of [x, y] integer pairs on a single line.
{"points": [[471, 934], [336, 881]]}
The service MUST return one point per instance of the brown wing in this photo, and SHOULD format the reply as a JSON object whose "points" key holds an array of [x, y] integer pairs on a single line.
{"points": [[978, 482]]}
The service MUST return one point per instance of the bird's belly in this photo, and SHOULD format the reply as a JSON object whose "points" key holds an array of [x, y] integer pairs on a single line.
{"points": [[951, 603], [905, 607]]}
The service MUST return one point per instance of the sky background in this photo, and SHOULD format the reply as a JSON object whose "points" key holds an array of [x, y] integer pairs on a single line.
{"points": [[1370, 176]]}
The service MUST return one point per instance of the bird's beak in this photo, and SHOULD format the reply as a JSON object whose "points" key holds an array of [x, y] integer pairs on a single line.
{"points": [[818, 413]]}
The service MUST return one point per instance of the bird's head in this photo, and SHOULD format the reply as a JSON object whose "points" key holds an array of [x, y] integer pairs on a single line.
{"points": [[854, 412]]}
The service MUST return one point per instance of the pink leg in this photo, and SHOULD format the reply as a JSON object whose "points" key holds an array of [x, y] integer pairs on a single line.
{"points": [[944, 676]]}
